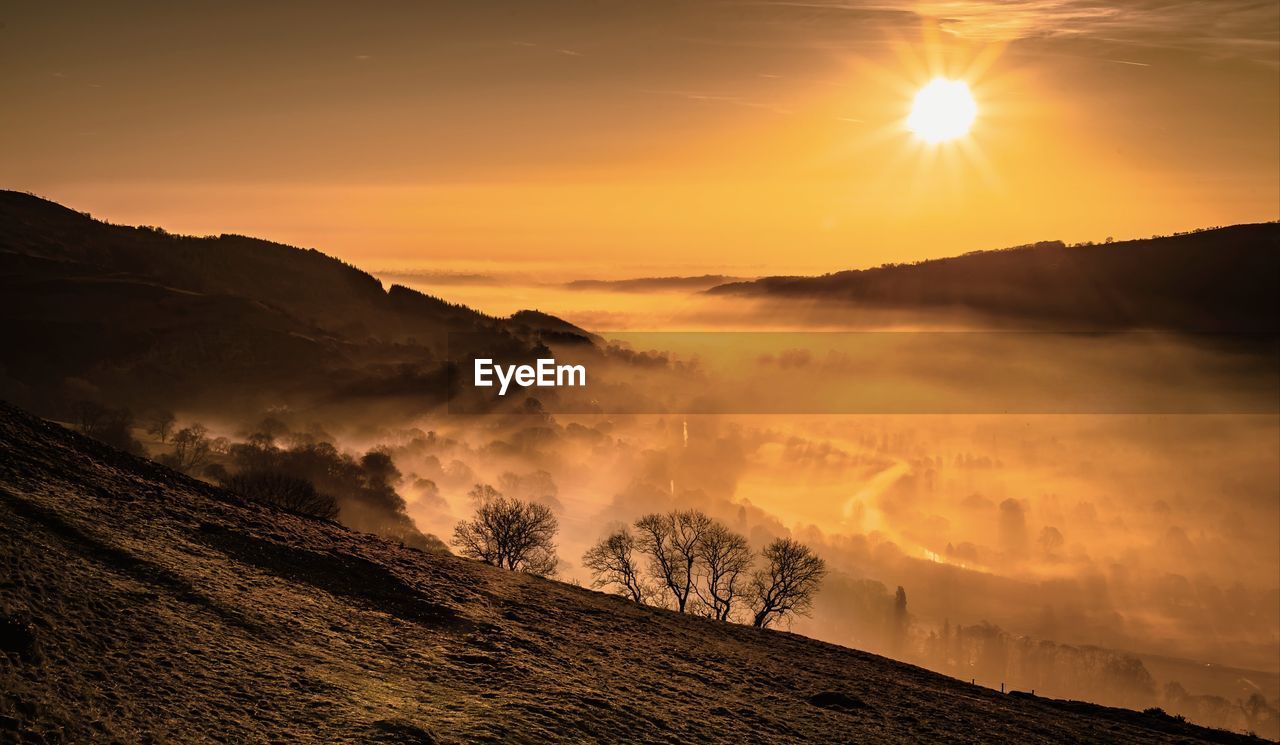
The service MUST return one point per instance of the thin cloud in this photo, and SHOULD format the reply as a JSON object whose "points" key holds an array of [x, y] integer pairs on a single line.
{"points": [[1240, 28], [1229, 28], [561, 50]]}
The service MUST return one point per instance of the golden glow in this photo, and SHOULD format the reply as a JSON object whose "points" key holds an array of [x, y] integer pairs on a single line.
{"points": [[773, 146], [942, 110]]}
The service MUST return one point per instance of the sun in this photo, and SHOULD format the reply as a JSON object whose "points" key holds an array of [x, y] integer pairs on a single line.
{"points": [[942, 110]]}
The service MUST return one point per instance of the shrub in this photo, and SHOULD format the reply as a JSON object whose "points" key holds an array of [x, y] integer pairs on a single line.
{"points": [[284, 491]]}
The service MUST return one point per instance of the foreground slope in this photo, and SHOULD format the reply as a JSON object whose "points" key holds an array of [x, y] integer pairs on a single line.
{"points": [[140, 605]]}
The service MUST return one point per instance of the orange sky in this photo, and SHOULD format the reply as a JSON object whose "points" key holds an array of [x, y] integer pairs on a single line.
{"points": [[661, 137]]}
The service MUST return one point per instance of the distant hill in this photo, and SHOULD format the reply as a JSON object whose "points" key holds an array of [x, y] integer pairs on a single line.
{"points": [[139, 316], [1225, 280], [653, 284], [139, 605]]}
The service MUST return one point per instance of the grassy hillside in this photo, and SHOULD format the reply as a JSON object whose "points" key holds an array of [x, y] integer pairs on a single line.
{"points": [[138, 605], [1225, 280]]}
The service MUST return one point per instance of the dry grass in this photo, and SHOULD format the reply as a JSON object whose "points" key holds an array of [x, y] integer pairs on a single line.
{"points": [[141, 606]]}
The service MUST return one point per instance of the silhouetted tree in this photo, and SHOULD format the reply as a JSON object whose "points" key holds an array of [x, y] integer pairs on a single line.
{"points": [[289, 492], [87, 415], [272, 427], [381, 478], [160, 424], [482, 493], [191, 449], [1050, 541], [509, 533], [1258, 712], [901, 621], [105, 424], [613, 561], [364, 488], [724, 557], [262, 441], [789, 582], [537, 486], [671, 541], [379, 469]]}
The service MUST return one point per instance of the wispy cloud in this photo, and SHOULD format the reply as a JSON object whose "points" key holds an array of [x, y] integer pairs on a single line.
{"points": [[1129, 62], [1234, 28], [1240, 28], [558, 50], [1223, 24]]}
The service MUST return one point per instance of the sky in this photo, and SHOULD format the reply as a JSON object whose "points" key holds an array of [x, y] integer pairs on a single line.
{"points": [[631, 139]]}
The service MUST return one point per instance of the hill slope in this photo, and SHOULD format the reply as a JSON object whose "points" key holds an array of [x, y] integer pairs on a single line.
{"points": [[140, 605], [139, 317], [1225, 280]]}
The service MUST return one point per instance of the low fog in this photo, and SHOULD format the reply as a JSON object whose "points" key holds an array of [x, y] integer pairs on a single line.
{"points": [[1091, 516]]}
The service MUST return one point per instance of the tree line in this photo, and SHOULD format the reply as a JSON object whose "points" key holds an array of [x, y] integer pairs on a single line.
{"points": [[683, 560]]}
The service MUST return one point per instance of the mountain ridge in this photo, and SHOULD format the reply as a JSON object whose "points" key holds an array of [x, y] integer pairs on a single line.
{"points": [[150, 318], [1219, 280]]}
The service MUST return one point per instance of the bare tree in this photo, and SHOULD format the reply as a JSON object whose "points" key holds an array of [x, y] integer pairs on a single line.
{"points": [[191, 449], [724, 557], [789, 582], [88, 416], [105, 424], [612, 561], [481, 493], [289, 492], [509, 533], [671, 540], [161, 424], [655, 541]]}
